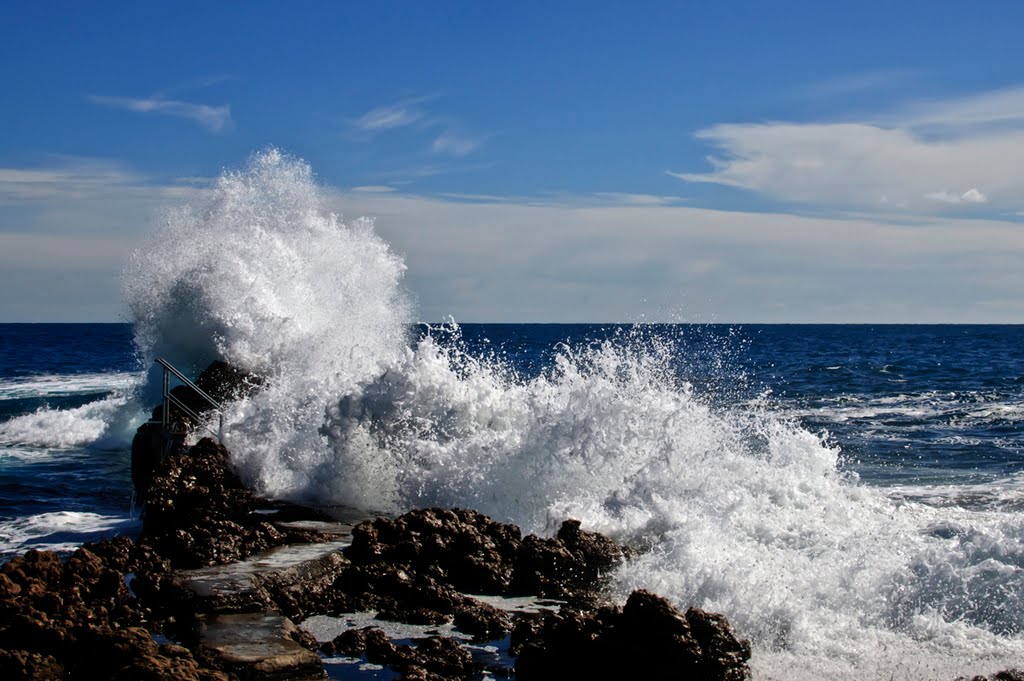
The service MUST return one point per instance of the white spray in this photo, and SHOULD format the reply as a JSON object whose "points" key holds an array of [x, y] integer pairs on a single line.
{"points": [[740, 510]]}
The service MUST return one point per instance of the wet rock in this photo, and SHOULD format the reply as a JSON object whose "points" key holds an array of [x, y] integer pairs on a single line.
{"points": [[351, 642], [572, 564], [21, 665], [647, 638], [482, 621], [302, 588], [257, 646], [478, 555], [224, 382], [152, 444], [198, 512], [473, 552], [443, 657], [433, 657]]}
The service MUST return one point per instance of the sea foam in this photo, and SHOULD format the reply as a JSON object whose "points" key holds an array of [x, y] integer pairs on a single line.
{"points": [[735, 508]]}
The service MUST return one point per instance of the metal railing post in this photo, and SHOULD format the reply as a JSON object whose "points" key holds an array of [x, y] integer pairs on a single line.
{"points": [[170, 399]]}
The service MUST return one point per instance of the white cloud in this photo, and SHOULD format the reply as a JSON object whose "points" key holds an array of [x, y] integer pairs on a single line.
{"points": [[374, 188], [213, 118], [576, 260], [639, 199], [969, 196], [613, 257], [389, 117], [974, 146], [967, 113], [456, 145]]}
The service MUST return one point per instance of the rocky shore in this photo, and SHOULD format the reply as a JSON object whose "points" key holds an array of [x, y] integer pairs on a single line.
{"points": [[145, 608], [219, 584]]}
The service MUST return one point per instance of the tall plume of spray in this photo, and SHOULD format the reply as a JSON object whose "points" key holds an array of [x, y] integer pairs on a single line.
{"points": [[261, 276], [741, 509]]}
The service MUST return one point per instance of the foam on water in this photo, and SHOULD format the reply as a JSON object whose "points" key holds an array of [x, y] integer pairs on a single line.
{"points": [[108, 422], [60, 531], [738, 508], [63, 385]]}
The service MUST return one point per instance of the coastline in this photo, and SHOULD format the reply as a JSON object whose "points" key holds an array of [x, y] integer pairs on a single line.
{"points": [[124, 609]]}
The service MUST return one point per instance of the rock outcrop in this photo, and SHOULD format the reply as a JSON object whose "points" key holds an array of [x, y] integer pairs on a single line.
{"points": [[647, 638], [95, 614], [199, 513]]}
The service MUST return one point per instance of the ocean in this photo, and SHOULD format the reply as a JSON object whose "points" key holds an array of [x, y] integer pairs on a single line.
{"points": [[850, 496]]}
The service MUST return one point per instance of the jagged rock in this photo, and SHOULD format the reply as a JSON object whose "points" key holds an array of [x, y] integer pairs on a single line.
{"points": [[432, 658], [647, 638], [482, 621], [21, 665], [152, 445], [478, 555], [349, 642], [474, 552], [198, 512]]}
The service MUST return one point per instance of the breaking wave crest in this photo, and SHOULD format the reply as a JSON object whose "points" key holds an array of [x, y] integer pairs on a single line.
{"points": [[736, 508]]}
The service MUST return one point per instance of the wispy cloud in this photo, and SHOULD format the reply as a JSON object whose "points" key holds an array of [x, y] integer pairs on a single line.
{"points": [[965, 115], [213, 118], [952, 154], [969, 196], [397, 115], [606, 257], [374, 189], [854, 83], [455, 144], [580, 259]]}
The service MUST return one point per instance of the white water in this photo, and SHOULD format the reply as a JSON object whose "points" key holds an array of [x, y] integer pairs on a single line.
{"points": [[60, 530], [741, 510], [107, 422]]}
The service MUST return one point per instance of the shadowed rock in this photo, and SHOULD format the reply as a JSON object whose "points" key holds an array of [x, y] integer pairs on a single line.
{"points": [[198, 512], [647, 638]]}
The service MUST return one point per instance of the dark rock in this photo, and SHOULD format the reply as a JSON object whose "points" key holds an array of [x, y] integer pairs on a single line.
{"points": [[304, 588], [473, 551], [443, 657], [570, 565], [21, 665], [478, 555], [647, 638], [432, 658], [198, 512], [224, 382], [153, 443], [351, 642], [482, 621]]}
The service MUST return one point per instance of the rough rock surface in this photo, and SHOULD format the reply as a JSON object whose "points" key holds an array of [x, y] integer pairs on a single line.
{"points": [[93, 614], [474, 554], [78, 619], [199, 513], [647, 639], [151, 445]]}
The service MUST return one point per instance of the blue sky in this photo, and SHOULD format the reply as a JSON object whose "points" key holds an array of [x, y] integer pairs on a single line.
{"points": [[734, 161]]}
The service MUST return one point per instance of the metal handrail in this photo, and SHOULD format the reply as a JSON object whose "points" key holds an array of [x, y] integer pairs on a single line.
{"points": [[170, 399]]}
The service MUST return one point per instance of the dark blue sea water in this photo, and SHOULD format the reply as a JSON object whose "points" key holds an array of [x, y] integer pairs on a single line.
{"points": [[906, 405]]}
